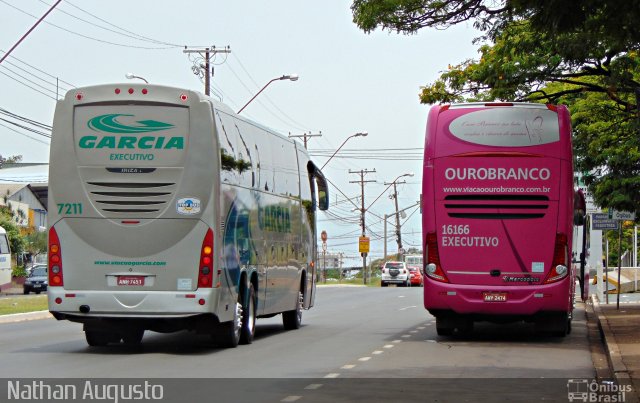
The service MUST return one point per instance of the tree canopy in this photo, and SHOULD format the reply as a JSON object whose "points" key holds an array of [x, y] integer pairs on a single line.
{"points": [[582, 53]]}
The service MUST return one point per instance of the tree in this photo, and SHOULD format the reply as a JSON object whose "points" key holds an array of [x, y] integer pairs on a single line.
{"points": [[16, 240], [36, 243], [10, 160], [583, 53]]}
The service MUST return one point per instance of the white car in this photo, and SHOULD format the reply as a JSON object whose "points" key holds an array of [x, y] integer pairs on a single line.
{"points": [[395, 273]]}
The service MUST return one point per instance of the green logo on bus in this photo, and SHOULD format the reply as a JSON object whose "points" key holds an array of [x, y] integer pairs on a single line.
{"points": [[109, 124]]}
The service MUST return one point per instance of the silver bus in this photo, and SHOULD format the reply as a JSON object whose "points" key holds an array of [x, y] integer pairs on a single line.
{"points": [[167, 211]]}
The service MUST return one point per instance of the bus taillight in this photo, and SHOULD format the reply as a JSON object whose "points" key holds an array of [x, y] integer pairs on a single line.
{"points": [[559, 266], [205, 272], [433, 268], [55, 260]]}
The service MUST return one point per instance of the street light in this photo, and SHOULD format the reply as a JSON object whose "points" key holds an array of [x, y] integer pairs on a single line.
{"points": [[363, 134], [131, 76], [292, 77]]}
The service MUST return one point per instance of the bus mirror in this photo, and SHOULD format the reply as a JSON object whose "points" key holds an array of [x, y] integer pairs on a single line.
{"points": [[323, 200], [323, 189], [578, 218]]}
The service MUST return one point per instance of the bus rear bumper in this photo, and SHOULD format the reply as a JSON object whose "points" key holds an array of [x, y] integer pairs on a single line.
{"points": [[162, 311], [507, 301]]}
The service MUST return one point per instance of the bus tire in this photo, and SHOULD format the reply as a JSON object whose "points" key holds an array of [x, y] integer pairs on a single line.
{"points": [[444, 326], [228, 334], [133, 337], [248, 316], [96, 338], [292, 319]]}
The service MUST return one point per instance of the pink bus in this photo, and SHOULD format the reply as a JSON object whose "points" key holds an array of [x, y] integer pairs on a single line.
{"points": [[498, 215]]}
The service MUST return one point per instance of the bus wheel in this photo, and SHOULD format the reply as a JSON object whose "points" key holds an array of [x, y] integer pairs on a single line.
{"points": [[444, 326], [292, 319], [133, 337], [561, 324], [249, 317], [96, 339], [228, 334]]}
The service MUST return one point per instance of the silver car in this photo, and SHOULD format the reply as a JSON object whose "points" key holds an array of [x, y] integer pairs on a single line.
{"points": [[395, 273]]}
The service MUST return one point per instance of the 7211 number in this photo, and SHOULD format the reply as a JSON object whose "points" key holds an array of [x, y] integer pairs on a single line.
{"points": [[70, 208]]}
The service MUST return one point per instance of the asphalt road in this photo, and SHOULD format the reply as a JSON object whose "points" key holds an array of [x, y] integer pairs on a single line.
{"points": [[368, 344]]}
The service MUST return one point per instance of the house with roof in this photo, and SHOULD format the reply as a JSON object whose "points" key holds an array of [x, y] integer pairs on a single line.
{"points": [[23, 199]]}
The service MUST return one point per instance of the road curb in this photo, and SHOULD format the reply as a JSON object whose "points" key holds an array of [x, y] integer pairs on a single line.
{"points": [[20, 317], [618, 368]]}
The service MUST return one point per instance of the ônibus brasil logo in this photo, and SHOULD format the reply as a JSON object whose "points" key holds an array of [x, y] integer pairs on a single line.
{"points": [[109, 124]]}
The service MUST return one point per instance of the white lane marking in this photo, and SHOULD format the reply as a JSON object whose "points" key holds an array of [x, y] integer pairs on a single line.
{"points": [[377, 352], [364, 359], [348, 366], [407, 307], [313, 386], [406, 335], [332, 375], [401, 296], [291, 398], [388, 346], [396, 341]]}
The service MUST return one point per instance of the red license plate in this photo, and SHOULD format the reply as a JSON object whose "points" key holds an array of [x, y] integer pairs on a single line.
{"points": [[494, 296], [130, 280]]}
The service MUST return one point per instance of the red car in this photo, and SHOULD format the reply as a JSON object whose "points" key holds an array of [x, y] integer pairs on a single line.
{"points": [[415, 276]]}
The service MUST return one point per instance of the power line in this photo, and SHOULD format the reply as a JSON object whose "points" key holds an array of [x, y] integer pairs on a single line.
{"points": [[86, 36], [23, 134], [125, 32]]}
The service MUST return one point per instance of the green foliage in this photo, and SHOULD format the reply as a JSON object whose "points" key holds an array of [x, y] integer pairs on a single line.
{"points": [[583, 53], [36, 243], [10, 160], [16, 240], [19, 271]]}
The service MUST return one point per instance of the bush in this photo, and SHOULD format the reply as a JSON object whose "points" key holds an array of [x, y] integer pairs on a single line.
{"points": [[19, 271]]}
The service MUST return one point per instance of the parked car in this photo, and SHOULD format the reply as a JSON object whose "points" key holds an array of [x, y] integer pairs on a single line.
{"points": [[415, 276], [37, 280], [395, 273]]}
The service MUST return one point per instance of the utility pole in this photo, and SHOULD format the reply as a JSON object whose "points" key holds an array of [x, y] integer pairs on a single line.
{"points": [[304, 137], [398, 232], [206, 54], [362, 173]]}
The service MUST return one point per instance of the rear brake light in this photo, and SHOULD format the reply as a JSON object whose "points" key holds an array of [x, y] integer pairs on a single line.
{"points": [[205, 270], [560, 263], [55, 260], [433, 268], [498, 104]]}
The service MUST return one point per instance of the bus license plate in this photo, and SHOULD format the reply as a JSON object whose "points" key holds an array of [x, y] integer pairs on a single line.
{"points": [[494, 296], [130, 280]]}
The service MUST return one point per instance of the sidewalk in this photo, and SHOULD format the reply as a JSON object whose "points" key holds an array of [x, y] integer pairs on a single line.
{"points": [[620, 331]]}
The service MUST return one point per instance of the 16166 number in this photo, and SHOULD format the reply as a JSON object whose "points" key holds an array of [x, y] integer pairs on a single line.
{"points": [[455, 230]]}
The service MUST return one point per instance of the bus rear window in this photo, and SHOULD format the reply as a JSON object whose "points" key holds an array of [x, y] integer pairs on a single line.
{"points": [[505, 127]]}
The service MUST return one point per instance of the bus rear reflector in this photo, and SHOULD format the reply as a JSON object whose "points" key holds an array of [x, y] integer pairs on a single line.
{"points": [[433, 268], [560, 264], [205, 270], [55, 260]]}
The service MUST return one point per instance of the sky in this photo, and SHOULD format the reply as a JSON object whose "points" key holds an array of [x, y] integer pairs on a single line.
{"points": [[349, 82]]}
